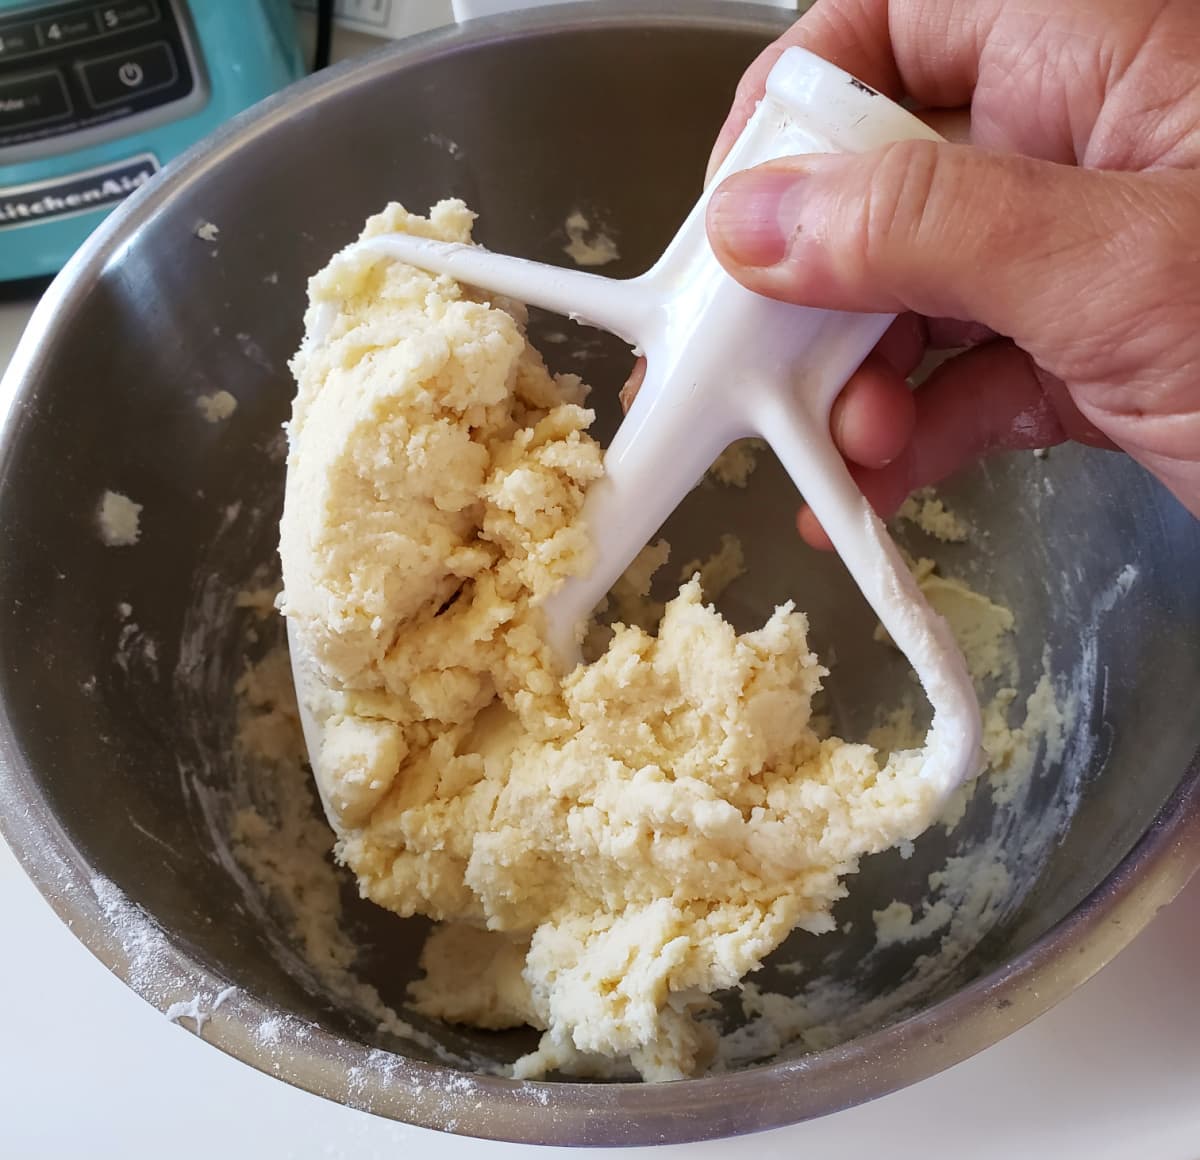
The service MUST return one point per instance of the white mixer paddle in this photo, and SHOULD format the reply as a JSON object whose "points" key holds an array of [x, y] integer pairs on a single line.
{"points": [[723, 363]]}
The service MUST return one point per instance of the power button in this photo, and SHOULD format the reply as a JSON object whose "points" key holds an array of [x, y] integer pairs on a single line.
{"points": [[126, 75]]}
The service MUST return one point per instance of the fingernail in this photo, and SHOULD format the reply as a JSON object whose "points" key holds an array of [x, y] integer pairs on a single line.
{"points": [[756, 215]]}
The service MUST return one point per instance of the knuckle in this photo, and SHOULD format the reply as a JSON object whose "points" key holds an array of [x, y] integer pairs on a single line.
{"points": [[1139, 339], [899, 203]]}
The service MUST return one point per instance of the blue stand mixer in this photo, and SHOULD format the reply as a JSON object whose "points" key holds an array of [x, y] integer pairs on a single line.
{"points": [[96, 97]]}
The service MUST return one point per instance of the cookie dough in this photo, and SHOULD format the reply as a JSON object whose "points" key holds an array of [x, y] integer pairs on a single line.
{"points": [[604, 849]]}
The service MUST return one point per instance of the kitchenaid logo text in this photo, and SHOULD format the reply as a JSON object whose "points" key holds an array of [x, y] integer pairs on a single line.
{"points": [[25, 205]]}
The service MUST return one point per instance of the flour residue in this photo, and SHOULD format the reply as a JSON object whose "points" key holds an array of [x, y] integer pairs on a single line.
{"points": [[152, 966], [453, 148], [136, 649], [197, 1010]]}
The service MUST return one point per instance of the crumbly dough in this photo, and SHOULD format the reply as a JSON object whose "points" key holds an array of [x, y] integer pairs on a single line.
{"points": [[929, 513], [604, 849], [587, 246], [895, 923], [737, 463], [630, 602], [119, 519], [217, 406]]}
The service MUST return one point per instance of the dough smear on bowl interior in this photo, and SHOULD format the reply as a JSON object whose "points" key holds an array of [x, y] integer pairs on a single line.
{"points": [[604, 850]]}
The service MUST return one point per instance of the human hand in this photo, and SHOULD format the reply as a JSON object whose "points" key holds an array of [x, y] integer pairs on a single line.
{"points": [[1061, 245]]}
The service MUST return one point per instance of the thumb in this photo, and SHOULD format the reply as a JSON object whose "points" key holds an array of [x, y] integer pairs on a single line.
{"points": [[943, 230]]}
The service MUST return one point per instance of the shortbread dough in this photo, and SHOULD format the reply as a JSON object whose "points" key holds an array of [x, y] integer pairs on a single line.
{"points": [[604, 850]]}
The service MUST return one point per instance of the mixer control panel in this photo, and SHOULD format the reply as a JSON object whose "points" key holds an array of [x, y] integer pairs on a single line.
{"points": [[94, 71]]}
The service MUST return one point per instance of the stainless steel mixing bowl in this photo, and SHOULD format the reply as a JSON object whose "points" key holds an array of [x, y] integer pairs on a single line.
{"points": [[119, 775]]}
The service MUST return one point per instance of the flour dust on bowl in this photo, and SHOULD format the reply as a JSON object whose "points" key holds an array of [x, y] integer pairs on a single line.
{"points": [[150, 771]]}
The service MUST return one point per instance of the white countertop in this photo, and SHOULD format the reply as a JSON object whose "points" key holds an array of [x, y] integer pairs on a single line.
{"points": [[88, 1069]]}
